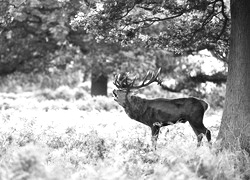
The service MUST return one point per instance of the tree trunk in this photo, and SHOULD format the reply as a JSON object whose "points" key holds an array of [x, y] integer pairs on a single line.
{"points": [[235, 125], [99, 84]]}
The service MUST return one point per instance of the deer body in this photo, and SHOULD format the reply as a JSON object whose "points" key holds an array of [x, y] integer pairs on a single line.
{"points": [[164, 111], [160, 112]]}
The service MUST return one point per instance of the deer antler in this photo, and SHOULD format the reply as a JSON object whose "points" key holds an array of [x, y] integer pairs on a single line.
{"points": [[153, 77], [122, 80]]}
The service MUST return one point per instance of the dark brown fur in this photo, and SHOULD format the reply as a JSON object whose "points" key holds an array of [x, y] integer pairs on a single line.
{"points": [[160, 112]]}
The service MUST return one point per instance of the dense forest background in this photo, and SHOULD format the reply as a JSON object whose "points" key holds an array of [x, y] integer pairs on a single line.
{"points": [[40, 37]]}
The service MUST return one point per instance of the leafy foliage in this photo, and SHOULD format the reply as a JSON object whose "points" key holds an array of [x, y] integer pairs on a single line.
{"points": [[178, 26], [37, 36]]}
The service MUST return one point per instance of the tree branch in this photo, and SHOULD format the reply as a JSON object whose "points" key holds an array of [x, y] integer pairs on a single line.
{"points": [[156, 19], [225, 21], [192, 81], [127, 12], [177, 89], [217, 78]]}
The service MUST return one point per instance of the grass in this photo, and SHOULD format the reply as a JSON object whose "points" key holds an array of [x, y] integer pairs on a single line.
{"points": [[92, 138]]}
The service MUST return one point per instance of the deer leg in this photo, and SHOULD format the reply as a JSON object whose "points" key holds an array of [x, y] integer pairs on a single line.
{"points": [[155, 133], [199, 139], [198, 134], [199, 131], [208, 135], [203, 130]]}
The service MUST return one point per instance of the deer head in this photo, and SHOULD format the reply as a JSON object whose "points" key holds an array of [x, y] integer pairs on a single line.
{"points": [[125, 84]]}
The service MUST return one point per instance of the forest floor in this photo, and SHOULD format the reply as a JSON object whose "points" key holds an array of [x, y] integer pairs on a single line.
{"points": [[58, 139]]}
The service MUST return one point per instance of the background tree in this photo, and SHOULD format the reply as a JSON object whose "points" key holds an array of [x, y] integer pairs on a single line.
{"points": [[185, 27], [159, 23], [36, 36], [181, 28], [235, 127], [109, 58]]}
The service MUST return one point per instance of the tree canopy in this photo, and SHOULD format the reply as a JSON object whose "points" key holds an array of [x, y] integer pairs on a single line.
{"points": [[36, 35], [110, 36], [182, 27], [178, 27]]}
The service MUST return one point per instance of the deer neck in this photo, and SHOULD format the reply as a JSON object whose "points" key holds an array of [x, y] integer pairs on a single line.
{"points": [[135, 107]]}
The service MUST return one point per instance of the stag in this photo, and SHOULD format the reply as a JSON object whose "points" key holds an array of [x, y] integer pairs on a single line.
{"points": [[160, 112]]}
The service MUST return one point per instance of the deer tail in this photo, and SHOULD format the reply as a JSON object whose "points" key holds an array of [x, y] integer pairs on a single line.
{"points": [[204, 105]]}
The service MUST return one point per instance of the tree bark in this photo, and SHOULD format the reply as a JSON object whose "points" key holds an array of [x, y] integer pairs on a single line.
{"points": [[235, 126], [99, 84]]}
